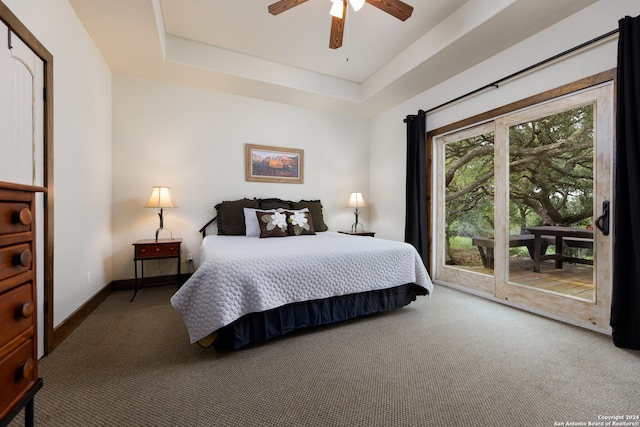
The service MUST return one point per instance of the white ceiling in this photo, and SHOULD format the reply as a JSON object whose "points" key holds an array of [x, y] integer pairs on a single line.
{"points": [[236, 46]]}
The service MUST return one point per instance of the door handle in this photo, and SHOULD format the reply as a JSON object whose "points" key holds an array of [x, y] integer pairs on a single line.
{"points": [[603, 220]]}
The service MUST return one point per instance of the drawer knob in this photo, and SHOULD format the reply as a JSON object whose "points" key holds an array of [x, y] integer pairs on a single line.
{"points": [[23, 258], [23, 216], [157, 249], [25, 370], [24, 310]]}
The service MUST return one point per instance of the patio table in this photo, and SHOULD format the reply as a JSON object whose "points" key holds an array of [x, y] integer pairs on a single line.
{"points": [[562, 235]]}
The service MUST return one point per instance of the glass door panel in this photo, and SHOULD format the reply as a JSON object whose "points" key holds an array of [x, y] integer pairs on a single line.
{"points": [[466, 221], [551, 184]]}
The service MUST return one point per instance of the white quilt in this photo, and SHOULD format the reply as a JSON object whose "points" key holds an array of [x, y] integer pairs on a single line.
{"points": [[240, 275]]}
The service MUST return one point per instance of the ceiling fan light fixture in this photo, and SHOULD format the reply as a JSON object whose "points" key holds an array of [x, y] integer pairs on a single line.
{"points": [[336, 9], [396, 8], [356, 4]]}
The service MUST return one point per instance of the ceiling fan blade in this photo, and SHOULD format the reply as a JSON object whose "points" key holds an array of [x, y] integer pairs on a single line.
{"points": [[283, 6], [337, 28], [397, 8]]}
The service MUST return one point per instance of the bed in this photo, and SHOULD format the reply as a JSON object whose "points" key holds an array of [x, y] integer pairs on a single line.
{"points": [[249, 289]]}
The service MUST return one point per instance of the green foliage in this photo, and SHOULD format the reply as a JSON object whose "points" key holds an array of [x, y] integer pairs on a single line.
{"points": [[462, 243], [550, 177], [551, 167], [469, 191]]}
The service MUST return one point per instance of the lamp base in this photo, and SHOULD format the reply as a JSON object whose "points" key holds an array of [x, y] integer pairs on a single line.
{"points": [[162, 228], [354, 227]]}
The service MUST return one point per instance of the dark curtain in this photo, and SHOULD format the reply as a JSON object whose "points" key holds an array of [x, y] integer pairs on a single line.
{"points": [[625, 302], [416, 223]]}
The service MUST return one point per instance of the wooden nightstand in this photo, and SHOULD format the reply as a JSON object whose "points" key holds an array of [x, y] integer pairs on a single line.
{"points": [[151, 249], [359, 233]]}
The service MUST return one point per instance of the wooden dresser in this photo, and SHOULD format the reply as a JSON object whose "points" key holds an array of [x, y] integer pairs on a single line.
{"points": [[18, 337]]}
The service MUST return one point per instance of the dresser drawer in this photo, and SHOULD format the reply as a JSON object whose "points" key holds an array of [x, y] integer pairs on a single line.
{"points": [[157, 250], [15, 217], [17, 376], [15, 259], [17, 311]]}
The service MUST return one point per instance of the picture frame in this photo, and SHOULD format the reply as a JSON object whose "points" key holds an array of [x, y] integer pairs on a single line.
{"points": [[264, 163]]}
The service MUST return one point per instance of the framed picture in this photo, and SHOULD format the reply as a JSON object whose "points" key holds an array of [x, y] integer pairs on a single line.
{"points": [[274, 164]]}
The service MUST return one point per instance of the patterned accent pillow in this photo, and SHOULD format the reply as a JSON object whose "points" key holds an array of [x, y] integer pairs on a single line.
{"points": [[315, 207], [272, 224], [300, 222], [251, 220]]}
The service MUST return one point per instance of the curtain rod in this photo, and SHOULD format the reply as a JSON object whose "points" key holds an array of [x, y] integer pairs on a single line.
{"points": [[529, 68]]}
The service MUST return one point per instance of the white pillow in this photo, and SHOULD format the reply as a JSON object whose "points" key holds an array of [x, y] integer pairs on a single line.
{"points": [[251, 221]]}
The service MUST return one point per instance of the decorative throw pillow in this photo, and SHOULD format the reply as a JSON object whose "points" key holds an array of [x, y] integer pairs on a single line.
{"points": [[272, 224], [251, 221], [315, 207], [300, 222]]}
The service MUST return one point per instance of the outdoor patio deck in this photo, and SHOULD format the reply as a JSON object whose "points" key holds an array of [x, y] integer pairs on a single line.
{"points": [[573, 279]]}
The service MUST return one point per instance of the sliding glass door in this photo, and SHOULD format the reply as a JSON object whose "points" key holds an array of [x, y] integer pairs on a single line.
{"points": [[517, 200]]}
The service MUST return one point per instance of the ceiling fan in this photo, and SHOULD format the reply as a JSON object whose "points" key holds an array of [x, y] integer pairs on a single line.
{"points": [[397, 8]]}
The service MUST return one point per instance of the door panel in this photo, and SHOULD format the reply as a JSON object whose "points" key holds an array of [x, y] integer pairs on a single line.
{"points": [[570, 175], [22, 124]]}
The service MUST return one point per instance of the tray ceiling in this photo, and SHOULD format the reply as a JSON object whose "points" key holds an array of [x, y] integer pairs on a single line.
{"points": [[238, 47]]}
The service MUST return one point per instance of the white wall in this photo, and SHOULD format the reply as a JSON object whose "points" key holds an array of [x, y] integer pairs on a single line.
{"points": [[193, 141], [82, 152], [388, 132]]}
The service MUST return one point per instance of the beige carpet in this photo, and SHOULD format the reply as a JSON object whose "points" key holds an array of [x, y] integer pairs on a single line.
{"points": [[453, 360]]}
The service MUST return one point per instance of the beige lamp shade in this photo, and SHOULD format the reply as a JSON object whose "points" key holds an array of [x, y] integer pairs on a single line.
{"points": [[356, 201], [160, 198]]}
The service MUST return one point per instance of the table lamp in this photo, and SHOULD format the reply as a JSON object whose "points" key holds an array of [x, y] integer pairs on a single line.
{"points": [[356, 201], [160, 198]]}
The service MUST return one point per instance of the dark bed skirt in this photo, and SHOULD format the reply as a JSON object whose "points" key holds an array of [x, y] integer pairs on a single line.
{"points": [[259, 327]]}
